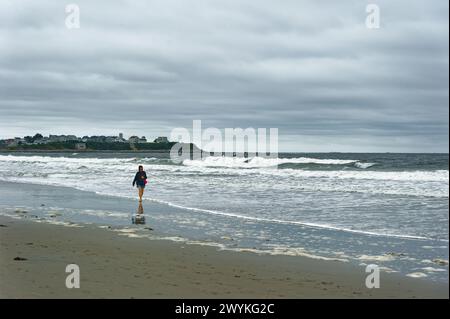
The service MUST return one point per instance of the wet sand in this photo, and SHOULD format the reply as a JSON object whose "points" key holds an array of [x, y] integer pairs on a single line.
{"points": [[113, 266]]}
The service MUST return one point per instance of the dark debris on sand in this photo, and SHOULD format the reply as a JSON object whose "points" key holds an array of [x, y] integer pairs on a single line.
{"points": [[20, 258]]}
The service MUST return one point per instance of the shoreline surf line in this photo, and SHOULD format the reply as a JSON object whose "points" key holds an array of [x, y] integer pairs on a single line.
{"points": [[234, 215]]}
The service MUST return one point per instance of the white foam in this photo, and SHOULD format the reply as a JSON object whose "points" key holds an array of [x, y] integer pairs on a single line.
{"points": [[297, 251], [260, 162], [132, 235], [432, 269], [62, 223], [279, 250], [376, 258], [62, 159], [278, 221], [417, 275], [387, 269], [364, 165], [125, 230]]}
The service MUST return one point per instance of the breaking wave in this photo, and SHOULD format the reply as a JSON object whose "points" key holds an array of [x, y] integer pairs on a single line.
{"points": [[260, 162]]}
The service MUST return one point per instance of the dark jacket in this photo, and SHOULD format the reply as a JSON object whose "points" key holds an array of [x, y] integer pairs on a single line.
{"points": [[140, 178]]}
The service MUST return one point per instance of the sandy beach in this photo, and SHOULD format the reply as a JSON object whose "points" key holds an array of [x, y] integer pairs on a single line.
{"points": [[33, 258]]}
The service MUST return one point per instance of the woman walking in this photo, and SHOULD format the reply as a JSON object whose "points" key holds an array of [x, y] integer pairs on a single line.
{"points": [[140, 180]]}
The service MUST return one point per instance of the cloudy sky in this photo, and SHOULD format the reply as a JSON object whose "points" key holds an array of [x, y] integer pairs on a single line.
{"points": [[312, 69]]}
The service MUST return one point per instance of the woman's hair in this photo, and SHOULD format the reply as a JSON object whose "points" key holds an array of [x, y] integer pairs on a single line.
{"points": [[140, 166]]}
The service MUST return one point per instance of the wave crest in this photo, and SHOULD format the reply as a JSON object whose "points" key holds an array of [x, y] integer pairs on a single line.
{"points": [[261, 162]]}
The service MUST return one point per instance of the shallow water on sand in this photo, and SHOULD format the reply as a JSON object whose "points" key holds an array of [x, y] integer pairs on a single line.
{"points": [[417, 254]]}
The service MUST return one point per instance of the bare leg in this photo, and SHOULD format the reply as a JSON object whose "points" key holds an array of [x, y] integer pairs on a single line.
{"points": [[141, 193]]}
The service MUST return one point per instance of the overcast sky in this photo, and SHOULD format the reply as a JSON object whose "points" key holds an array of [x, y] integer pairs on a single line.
{"points": [[312, 69]]}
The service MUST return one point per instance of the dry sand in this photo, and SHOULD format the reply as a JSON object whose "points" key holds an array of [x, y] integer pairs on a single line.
{"points": [[114, 266]]}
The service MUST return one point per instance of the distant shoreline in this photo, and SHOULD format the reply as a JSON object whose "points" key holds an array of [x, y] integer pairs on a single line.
{"points": [[84, 151]]}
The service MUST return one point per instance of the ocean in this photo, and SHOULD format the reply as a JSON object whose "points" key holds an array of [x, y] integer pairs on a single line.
{"points": [[386, 209]]}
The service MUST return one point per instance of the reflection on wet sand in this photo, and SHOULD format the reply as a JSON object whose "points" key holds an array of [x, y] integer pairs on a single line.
{"points": [[139, 217]]}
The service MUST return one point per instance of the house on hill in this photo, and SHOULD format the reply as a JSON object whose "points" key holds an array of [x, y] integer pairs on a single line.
{"points": [[161, 139]]}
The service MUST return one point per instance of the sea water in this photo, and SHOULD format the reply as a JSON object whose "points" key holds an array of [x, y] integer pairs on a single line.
{"points": [[387, 209]]}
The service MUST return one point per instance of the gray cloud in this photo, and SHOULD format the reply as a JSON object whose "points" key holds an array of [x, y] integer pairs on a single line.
{"points": [[310, 68]]}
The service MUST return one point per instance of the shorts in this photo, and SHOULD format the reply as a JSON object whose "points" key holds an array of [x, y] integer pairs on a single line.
{"points": [[141, 186]]}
